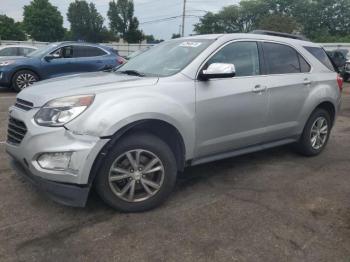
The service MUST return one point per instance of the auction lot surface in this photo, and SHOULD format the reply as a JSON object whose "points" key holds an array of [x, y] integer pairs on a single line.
{"points": [[268, 206]]}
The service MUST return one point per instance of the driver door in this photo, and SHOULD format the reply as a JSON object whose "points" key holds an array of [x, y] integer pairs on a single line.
{"points": [[61, 65], [231, 113]]}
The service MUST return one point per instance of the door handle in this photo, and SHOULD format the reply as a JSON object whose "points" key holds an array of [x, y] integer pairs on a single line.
{"points": [[307, 81], [259, 88]]}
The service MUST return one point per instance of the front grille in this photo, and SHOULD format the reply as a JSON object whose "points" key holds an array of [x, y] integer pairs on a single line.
{"points": [[23, 104], [16, 131]]}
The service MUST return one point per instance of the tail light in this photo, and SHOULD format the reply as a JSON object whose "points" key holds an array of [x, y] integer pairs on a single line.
{"points": [[340, 82], [121, 60]]}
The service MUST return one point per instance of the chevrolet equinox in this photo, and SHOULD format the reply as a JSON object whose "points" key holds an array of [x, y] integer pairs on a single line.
{"points": [[127, 132]]}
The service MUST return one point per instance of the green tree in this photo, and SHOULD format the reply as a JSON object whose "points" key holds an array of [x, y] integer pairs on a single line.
{"points": [[9, 30], [279, 23], [122, 21], [86, 23], [318, 20], [42, 21], [243, 17]]}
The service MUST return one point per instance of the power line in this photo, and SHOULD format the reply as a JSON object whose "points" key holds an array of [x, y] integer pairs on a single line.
{"points": [[169, 19]]}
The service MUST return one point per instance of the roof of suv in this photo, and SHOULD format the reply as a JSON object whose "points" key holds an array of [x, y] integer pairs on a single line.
{"points": [[253, 36]]}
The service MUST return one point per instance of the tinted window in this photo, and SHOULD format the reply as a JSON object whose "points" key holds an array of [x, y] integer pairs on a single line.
{"points": [[281, 59], [321, 56], [8, 51], [304, 66], [87, 51], [244, 55]]}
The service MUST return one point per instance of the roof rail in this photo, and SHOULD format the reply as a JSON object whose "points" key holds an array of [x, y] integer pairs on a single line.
{"points": [[280, 34]]}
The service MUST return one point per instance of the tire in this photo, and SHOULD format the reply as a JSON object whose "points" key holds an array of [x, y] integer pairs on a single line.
{"points": [[23, 79], [149, 147], [306, 145]]}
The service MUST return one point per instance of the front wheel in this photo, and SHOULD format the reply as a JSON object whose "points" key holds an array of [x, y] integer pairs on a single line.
{"points": [[138, 174], [23, 79], [316, 133]]}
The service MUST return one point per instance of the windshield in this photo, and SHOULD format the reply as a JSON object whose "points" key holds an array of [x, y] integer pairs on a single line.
{"points": [[167, 58], [42, 51]]}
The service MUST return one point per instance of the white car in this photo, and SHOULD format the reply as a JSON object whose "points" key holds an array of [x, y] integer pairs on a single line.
{"points": [[16, 50]]}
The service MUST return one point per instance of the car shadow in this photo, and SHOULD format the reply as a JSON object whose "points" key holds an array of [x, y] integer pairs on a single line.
{"points": [[227, 169]]}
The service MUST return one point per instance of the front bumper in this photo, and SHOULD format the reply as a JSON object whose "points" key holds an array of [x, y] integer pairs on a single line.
{"points": [[67, 194], [39, 140]]}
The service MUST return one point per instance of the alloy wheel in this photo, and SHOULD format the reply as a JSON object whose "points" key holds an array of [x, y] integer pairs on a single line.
{"points": [[24, 80], [319, 133], [136, 175]]}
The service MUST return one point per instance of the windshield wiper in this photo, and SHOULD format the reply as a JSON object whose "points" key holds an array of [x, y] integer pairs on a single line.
{"points": [[132, 73]]}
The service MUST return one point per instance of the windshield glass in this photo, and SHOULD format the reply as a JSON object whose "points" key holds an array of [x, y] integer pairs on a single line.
{"points": [[167, 58], [42, 51]]}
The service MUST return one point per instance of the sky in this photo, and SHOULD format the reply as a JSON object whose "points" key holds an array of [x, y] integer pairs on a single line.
{"points": [[145, 10]]}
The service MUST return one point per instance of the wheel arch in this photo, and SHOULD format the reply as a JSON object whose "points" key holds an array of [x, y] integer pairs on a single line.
{"points": [[160, 128], [329, 107], [24, 68]]}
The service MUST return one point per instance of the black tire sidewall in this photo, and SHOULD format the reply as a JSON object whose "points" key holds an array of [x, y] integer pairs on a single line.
{"points": [[131, 142], [17, 74], [305, 146]]}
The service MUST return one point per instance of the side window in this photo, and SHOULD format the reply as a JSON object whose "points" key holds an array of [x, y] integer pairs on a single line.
{"points": [[304, 66], [321, 56], [87, 51], [8, 51], [281, 59], [244, 55], [64, 52], [23, 51]]}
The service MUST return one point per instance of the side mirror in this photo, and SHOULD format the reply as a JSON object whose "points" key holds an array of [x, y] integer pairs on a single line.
{"points": [[50, 57], [218, 70]]}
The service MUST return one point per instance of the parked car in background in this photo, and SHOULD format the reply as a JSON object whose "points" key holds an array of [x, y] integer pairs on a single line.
{"points": [[346, 72], [54, 60], [338, 58], [185, 102], [16, 50]]}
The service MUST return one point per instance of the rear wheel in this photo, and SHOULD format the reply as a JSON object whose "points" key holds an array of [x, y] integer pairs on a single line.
{"points": [[23, 79], [316, 133], [138, 174]]}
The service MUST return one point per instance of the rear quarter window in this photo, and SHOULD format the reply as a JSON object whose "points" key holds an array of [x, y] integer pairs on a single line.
{"points": [[321, 56]]}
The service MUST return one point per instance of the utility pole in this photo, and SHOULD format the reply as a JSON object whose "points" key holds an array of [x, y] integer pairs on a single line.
{"points": [[183, 20]]}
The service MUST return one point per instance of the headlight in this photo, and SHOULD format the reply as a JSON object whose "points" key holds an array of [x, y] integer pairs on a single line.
{"points": [[7, 62], [60, 111]]}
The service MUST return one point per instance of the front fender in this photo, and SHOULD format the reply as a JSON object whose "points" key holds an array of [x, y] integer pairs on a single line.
{"points": [[107, 116]]}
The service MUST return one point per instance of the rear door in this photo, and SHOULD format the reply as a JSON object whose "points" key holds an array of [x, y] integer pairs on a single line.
{"points": [[90, 58], [289, 82]]}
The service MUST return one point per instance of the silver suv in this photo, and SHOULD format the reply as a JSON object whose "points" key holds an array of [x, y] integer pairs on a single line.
{"points": [[129, 131]]}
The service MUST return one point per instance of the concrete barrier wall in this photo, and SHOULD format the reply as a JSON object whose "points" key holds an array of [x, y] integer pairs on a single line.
{"points": [[123, 49]]}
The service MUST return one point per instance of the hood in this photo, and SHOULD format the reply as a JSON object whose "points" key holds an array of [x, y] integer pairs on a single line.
{"points": [[87, 83]]}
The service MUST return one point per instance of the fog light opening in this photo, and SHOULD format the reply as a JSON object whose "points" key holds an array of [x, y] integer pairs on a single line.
{"points": [[55, 161]]}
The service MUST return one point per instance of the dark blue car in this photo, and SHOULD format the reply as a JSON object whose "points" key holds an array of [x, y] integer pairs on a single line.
{"points": [[55, 60]]}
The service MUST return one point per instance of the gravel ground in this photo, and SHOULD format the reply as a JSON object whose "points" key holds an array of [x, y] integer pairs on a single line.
{"points": [[267, 206]]}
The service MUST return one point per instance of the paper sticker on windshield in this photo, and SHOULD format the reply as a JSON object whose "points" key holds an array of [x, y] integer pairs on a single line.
{"points": [[190, 44]]}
